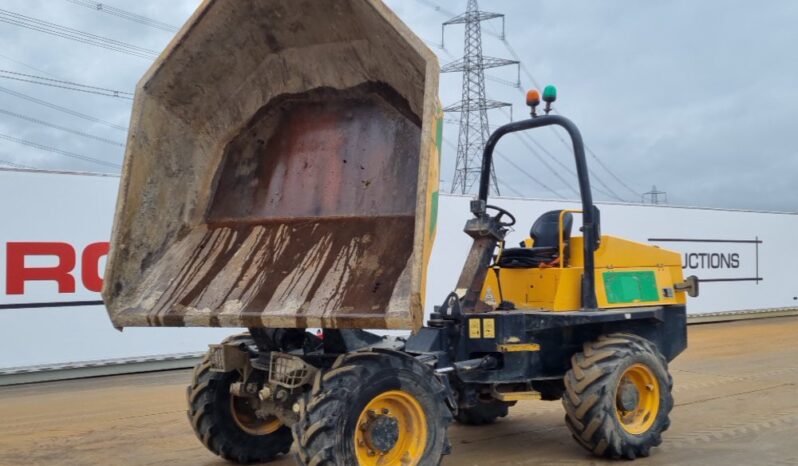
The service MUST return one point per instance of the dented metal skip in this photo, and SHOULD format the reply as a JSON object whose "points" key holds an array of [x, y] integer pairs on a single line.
{"points": [[281, 171]]}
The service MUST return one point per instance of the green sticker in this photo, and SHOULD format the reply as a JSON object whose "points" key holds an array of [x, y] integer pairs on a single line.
{"points": [[439, 135], [631, 287], [433, 216]]}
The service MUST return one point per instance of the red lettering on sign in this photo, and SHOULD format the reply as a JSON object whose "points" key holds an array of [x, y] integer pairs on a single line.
{"points": [[90, 266], [17, 273]]}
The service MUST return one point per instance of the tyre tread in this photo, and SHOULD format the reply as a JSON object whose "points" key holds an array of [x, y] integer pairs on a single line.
{"points": [[590, 408], [208, 425], [316, 436]]}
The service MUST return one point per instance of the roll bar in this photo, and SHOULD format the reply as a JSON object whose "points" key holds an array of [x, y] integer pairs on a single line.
{"points": [[590, 216]]}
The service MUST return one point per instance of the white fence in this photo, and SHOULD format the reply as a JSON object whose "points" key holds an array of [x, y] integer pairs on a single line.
{"points": [[54, 229]]}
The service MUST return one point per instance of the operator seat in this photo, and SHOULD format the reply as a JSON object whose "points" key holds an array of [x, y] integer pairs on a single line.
{"points": [[546, 247]]}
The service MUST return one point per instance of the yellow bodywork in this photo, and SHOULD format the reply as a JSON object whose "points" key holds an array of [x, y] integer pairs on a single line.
{"points": [[558, 288]]}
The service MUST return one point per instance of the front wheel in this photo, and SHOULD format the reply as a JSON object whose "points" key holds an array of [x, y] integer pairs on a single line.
{"points": [[373, 408], [618, 396]]}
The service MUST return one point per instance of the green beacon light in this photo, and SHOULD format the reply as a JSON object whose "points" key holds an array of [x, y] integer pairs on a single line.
{"points": [[549, 96]]}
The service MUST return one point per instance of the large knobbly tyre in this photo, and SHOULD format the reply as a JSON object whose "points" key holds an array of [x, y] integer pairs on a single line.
{"points": [[485, 412], [618, 396], [372, 408], [225, 424]]}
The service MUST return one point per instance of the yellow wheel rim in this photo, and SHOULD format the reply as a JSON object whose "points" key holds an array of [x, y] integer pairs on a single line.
{"points": [[246, 419], [391, 430], [637, 399]]}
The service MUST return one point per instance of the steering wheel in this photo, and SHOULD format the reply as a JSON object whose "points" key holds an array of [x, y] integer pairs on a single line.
{"points": [[500, 214]]}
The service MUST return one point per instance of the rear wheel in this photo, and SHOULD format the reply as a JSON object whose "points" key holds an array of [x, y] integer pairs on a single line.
{"points": [[618, 396], [228, 425], [373, 408]]}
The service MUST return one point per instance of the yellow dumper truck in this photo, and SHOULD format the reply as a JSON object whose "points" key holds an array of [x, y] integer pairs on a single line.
{"points": [[281, 175]]}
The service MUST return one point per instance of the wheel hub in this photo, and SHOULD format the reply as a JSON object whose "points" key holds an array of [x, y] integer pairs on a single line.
{"points": [[637, 399], [382, 432], [391, 429], [245, 415], [628, 397]]}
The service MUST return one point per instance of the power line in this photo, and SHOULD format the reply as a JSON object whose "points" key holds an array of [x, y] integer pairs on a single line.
{"points": [[441, 10], [587, 148], [67, 30], [55, 150], [29, 78], [107, 9], [510, 188], [551, 169], [593, 173], [496, 79], [601, 164], [546, 151], [15, 165], [609, 191], [437, 8], [612, 174], [26, 65], [34, 24], [528, 175], [68, 111], [77, 39], [516, 57], [532, 79], [547, 165], [537, 85], [557, 160], [62, 128], [520, 169]]}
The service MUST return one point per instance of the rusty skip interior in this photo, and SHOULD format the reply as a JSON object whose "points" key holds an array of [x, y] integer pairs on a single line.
{"points": [[313, 211]]}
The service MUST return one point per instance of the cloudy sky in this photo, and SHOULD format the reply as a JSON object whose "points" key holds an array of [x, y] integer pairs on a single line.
{"points": [[697, 98]]}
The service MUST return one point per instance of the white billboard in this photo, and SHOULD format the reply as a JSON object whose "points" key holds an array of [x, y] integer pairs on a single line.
{"points": [[745, 260], [54, 229]]}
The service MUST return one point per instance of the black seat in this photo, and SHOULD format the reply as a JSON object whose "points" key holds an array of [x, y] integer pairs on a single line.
{"points": [[546, 248]]}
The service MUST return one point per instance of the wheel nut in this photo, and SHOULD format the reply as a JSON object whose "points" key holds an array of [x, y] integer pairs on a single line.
{"points": [[295, 408], [385, 411], [371, 453]]}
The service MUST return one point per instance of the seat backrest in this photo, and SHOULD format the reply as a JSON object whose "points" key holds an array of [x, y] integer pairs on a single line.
{"points": [[545, 230]]}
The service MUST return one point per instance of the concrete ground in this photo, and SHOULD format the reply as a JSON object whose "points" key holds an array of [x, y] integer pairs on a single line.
{"points": [[735, 391]]}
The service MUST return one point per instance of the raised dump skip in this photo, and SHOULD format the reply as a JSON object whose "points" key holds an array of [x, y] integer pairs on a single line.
{"points": [[281, 171]]}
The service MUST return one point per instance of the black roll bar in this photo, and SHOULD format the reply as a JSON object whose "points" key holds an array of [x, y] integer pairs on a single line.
{"points": [[590, 217]]}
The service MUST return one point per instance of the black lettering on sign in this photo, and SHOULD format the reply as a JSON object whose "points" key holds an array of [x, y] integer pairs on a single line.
{"points": [[720, 260], [711, 260]]}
